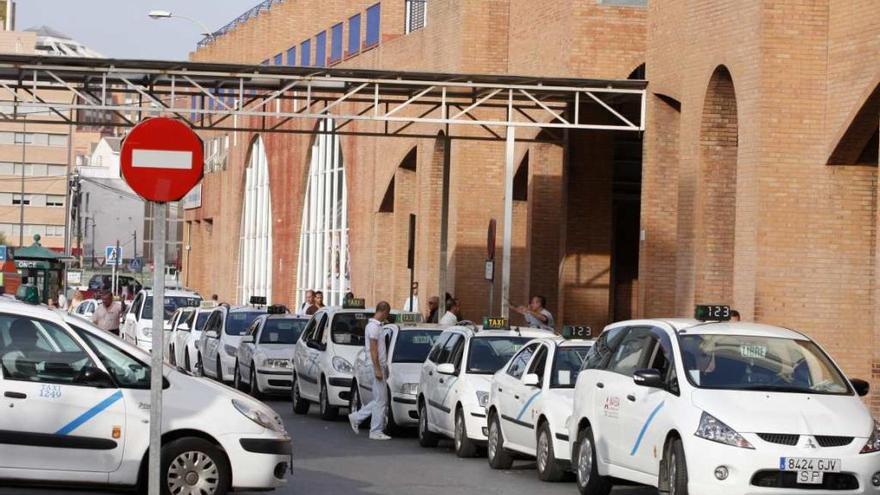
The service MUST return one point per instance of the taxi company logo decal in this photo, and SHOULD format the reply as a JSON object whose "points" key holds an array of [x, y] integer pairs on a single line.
{"points": [[91, 413], [612, 407]]}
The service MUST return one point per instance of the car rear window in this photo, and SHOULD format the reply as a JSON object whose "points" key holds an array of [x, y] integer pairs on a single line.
{"points": [[413, 346], [489, 354], [282, 331], [348, 328], [237, 322]]}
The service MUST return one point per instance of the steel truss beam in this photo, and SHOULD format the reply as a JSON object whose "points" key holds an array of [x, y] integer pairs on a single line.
{"points": [[273, 99]]}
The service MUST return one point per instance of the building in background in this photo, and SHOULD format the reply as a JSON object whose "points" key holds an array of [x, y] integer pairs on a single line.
{"points": [[7, 15]]}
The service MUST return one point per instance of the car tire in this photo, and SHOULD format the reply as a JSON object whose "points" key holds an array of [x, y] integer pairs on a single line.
{"points": [[180, 455], [464, 446], [171, 358], [255, 385], [391, 429], [328, 412], [549, 469], [427, 438], [676, 468], [498, 457], [586, 469], [236, 379], [299, 405], [200, 365]]}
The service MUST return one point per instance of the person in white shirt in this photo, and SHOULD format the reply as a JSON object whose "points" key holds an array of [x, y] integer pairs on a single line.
{"points": [[309, 302], [62, 300], [536, 314], [412, 303], [451, 316], [375, 348]]}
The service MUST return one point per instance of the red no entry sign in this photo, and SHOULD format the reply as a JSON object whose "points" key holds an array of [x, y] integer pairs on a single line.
{"points": [[161, 159]]}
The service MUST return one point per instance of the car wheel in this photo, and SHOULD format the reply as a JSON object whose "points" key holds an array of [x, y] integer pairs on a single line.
{"points": [[236, 379], [676, 468], [586, 469], [255, 385], [548, 467], [391, 427], [193, 465], [427, 438], [200, 366], [300, 405], [464, 446], [328, 412], [498, 457]]}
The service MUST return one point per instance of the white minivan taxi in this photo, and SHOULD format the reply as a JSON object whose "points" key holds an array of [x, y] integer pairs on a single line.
{"points": [[713, 407], [455, 378], [218, 345], [530, 400], [76, 408], [407, 345], [138, 323]]}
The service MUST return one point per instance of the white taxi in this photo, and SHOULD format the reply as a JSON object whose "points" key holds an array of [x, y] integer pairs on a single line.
{"points": [[407, 345], [138, 322], [709, 408], [180, 320], [218, 345], [530, 401], [455, 378], [76, 409], [265, 356], [186, 337]]}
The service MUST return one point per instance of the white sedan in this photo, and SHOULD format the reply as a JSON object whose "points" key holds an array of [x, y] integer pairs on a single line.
{"points": [[76, 408], [720, 408], [265, 356]]}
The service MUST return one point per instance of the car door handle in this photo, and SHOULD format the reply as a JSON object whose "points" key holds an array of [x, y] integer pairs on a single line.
{"points": [[15, 395], [442, 381], [631, 398], [516, 397], [600, 384]]}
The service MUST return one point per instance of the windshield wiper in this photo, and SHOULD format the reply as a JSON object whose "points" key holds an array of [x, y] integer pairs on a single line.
{"points": [[776, 388]]}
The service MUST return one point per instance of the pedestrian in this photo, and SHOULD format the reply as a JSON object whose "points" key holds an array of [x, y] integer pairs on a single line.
{"points": [[319, 299], [451, 316], [412, 303], [308, 303], [433, 305], [62, 300], [76, 299], [734, 315], [51, 303], [108, 315], [536, 313], [374, 345]]}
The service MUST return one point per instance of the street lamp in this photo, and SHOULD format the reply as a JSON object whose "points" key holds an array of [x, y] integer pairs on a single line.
{"points": [[164, 14]]}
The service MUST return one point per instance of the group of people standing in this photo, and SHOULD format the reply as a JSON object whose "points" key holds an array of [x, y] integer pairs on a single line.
{"points": [[314, 301]]}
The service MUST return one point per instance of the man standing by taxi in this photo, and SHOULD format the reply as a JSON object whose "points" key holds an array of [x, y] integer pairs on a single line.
{"points": [[308, 303], [536, 314], [108, 315], [375, 348]]}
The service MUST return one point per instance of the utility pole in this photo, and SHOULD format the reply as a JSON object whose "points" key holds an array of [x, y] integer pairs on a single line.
{"points": [[24, 140]]}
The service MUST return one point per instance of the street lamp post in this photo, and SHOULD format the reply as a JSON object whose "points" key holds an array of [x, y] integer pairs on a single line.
{"points": [[165, 14]]}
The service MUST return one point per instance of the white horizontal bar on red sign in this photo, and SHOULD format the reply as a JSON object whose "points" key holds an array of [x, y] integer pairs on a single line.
{"points": [[161, 159]]}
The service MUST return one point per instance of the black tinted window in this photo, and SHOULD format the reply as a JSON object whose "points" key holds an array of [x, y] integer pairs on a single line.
{"points": [[632, 352], [413, 346], [201, 319], [434, 355], [567, 365], [489, 354], [518, 364], [237, 322], [172, 304], [348, 328], [282, 331], [603, 349]]}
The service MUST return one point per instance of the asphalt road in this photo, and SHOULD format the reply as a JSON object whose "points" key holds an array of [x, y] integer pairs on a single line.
{"points": [[331, 459]]}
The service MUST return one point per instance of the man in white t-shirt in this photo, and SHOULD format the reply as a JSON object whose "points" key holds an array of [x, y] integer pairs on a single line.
{"points": [[451, 316], [375, 348], [537, 315], [309, 302]]}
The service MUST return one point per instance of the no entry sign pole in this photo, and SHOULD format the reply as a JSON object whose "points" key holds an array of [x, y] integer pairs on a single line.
{"points": [[161, 159]]}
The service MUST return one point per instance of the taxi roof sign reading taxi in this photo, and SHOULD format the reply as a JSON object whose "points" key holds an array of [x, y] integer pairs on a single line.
{"points": [[354, 303], [712, 312], [576, 332], [162, 159], [492, 323]]}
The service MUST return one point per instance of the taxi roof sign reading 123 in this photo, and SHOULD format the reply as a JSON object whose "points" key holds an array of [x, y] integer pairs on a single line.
{"points": [[576, 332], [712, 312]]}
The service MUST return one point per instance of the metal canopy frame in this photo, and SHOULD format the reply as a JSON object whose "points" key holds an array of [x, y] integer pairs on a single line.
{"points": [[259, 98]]}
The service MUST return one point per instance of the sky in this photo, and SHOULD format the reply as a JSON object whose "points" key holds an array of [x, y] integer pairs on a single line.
{"points": [[121, 28]]}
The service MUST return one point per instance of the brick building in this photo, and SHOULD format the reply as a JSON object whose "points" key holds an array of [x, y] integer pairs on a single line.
{"points": [[755, 185]]}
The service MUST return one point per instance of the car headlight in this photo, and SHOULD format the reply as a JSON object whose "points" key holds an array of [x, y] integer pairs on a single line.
{"points": [[409, 389], [873, 444], [230, 350], [712, 429], [341, 365], [277, 363], [258, 417], [483, 398]]}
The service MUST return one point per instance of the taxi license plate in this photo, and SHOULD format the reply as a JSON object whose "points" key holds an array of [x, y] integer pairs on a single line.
{"points": [[810, 471]]}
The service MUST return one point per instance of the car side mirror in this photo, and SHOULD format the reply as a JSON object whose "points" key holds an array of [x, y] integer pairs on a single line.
{"points": [[247, 339], [94, 377], [446, 369], [649, 377], [212, 334], [531, 380], [862, 387]]}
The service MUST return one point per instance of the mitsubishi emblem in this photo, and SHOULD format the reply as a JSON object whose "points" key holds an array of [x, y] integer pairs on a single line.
{"points": [[810, 444]]}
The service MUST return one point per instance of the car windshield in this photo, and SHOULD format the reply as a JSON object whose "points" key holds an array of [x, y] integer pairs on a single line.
{"points": [[566, 366], [413, 346], [775, 364], [237, 322], [282, 330], [489, 354], [201, 319], [348, 328], [172, 303]]}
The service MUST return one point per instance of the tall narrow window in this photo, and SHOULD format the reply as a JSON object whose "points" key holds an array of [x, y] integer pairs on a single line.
{"points": [[305, 53], [321, 49], [336, 43], [291, 56], [416, 15], [255, 253], [323, 246], [354, 34], [279, 59], [374, 14]]}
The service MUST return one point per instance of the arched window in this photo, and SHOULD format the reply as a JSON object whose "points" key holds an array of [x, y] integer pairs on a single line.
{"points": [[255, 254], [323, 246]]}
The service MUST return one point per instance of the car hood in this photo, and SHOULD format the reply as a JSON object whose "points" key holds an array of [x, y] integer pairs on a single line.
{"points": [[480, 382], [276, 351], [406, 372], [804, 414], [347, 352]]}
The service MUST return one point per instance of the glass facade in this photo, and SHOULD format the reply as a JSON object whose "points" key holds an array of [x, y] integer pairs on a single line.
{"points": [[255, 253]]}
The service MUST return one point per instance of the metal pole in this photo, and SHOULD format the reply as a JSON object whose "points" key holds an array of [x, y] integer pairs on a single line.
{"points": [[116, 269], [156, 358], [21, 198], [508, 220], [444, 224]]}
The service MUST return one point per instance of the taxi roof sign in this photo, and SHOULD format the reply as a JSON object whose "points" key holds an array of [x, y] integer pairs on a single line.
{"points": [[406, 317], [712, 312], [258, 300], [208, 304], [354, 303], [576, 332], [494, 323], [277, 309]]}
